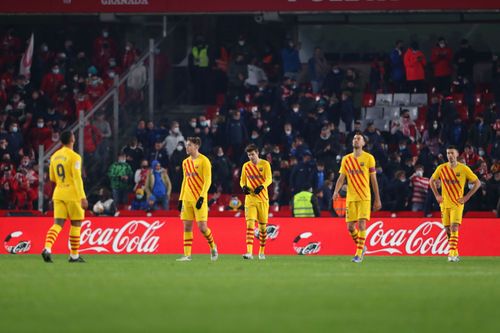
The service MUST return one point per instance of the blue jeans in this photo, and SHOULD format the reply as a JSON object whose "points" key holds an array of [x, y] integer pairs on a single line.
{"points": [[120, 196], [163, 201]]}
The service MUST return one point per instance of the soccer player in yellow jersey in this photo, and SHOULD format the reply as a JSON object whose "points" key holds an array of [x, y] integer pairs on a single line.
{"points": [[69, 197], [256, 176], [453, 176], [193, 203], [359, 169]]}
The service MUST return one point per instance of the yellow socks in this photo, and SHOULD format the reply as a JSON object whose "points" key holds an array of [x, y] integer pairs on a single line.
{"points": [[188, 243], [52, 236], [453, 242], [354, 236], [361, 242], [74, 241], [249, 237], [209, 238], [262, 237]]}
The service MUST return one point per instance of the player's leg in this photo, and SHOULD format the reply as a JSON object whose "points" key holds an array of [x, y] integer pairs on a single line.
{"points": [[445, 219], [455, 221], [251, 219], [351, 219], [262, 215], [60, 215], [207, 233], [360, 249], [187, 217], [76, 215]]}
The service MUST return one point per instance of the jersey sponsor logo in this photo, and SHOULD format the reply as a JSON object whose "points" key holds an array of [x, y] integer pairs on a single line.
{"points": [[309, 248]]}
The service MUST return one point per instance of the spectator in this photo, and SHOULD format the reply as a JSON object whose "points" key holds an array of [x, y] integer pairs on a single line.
{"points": [[420, 186], [333, 81], [140, 175], [119, 174], [51, 82], [104, 128], [456, 134], [415, 62], [242, 47], [326, 149], [104, 48], [234, 204], [255, 74], [480, 134], [139, 202], [397, 67], [347, 110], [318, 69], [441, 59], [237, 134], [129, 55], [173, 139], [159, 154], [41, 135], [237, 76], [134, 153], [302, 175], [290, 59], [221, 171], [158, 186], [399, 192], [199, 64], [469, 156], [105, 206], [319, 176], [464, 59]]}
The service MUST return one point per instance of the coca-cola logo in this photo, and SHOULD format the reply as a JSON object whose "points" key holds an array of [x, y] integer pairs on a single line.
{"points": [[427, 238], [309, 248], [124, 2], [14, 246], [134, 236], [272, 231]]}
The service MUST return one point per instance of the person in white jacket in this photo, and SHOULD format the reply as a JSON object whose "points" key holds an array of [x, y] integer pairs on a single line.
{"points": [[173, 139]]}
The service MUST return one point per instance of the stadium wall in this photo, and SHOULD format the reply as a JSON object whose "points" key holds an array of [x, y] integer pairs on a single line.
{"points": [[286, 236]]}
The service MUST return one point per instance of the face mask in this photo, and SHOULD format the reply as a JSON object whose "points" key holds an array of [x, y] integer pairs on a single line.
{"points": [[220, 154], [402, 147], [442, 45], [55, 71], [255, 136], [127, 48], [111, 75], [261, 88], [193, 124], [175, 130], [435, 126], [39, 125], [295, 110], [55, 138], [403, 180], [241, 42], [14, 129], [121, 160], [234, 202], [45, 48], [336, 71], [105, 34], [51, 111], [481, 153], [288, 132], [419, 173], [204, 123], [179, 148], [139, 197]]}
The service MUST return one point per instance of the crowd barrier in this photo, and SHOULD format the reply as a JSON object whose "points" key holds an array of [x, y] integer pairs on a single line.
{"points": [[286, 236]]}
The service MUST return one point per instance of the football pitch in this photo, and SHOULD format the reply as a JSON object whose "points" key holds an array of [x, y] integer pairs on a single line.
{"points": [[282, 294]]}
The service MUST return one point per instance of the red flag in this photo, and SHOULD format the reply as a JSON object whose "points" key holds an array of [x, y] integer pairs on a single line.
{"points": [[27, 59]]}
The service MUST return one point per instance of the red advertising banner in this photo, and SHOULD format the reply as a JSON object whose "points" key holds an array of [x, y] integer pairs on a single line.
{"points": [[286, 236], [221, 6]]}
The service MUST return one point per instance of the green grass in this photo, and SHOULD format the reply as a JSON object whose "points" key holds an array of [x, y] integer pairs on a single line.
{"points": [[281, 294]]}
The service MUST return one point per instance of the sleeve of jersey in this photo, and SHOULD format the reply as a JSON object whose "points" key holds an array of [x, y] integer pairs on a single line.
{"points": [[436, 173], [243, 177], [52, 175], [469, 175], [77, 178], [207, 178], [342, 166], [183, 181], [268, 179], [371, 165]]}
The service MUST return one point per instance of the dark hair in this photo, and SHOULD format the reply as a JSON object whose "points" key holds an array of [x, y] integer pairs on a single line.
{"points": [[452, 147], [251, 147], [194, 139], [66, 137], [362, 135]]}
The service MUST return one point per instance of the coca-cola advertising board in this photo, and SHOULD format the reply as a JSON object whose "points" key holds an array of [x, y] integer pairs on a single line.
{"points": [[245, 6], [286, 236]]}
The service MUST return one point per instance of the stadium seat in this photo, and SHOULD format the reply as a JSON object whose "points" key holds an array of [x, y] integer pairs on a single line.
{"points": [[383, 99], [418, 99], [374, 113], [391, 112], [401, 99]]}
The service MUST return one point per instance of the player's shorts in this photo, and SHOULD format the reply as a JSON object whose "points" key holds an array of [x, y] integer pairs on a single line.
{"points": [[257, 211], [452, 215], [190, 213], [68, 209], [357, 210]]}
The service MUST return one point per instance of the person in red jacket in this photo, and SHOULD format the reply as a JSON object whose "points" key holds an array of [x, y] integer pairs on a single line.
{"points": [[52, 81], [82, 103], [104, 48], [40, 135], [441, 58], [415, 62], [129, 55], [95, 88]]}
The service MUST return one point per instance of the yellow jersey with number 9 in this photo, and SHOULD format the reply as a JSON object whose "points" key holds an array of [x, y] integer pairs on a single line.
{"points": [[66, 172]]}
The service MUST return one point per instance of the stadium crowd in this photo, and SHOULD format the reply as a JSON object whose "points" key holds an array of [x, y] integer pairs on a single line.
{"points": [[302, 116]]}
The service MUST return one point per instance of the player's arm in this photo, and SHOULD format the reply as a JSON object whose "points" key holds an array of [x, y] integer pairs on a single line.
{"points": [[470, 176], [243, 180], [268, 177], [433, 185], [377, 204], [338, 186], [78, 182], [52, 174], [207, 178], [179, 203]]}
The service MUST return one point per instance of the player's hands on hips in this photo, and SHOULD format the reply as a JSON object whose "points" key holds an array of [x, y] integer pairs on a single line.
{"points": [[246, 189], [377, 205], [85, 203], [199, 202], [258, 189], [179, 205], [439, 199], [462, 200]]}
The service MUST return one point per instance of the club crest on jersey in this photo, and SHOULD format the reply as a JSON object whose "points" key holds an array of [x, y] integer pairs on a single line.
{"points": [[260, 169], [458, 174], [362, 164]]}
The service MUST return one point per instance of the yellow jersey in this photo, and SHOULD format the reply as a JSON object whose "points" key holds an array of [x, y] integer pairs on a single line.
{"points": [[357, 170], [453, 182], [254, 175], [66, 172], [197, 177]]}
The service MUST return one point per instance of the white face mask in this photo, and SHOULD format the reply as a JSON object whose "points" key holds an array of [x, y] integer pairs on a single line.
{"points": [[193, 124], [179, 148], [121, 160], [14, 129], [442, 45], [175, 130], [295, 110], [139, 197], [234, 202], [419, 173], [288, 132], [55, 71], [105, 34], [241, 42], [39, 125], [255, 136]]}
